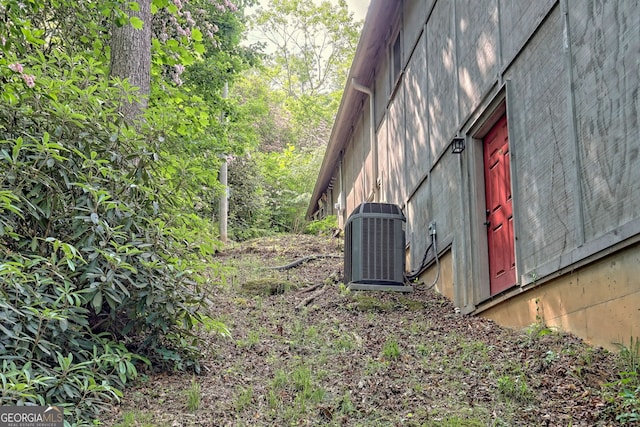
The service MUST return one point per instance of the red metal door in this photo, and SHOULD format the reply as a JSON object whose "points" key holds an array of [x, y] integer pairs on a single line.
{"points": [[502, 265]]}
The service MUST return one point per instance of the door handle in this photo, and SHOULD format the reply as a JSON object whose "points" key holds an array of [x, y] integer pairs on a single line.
{"points": [[487, 223]]}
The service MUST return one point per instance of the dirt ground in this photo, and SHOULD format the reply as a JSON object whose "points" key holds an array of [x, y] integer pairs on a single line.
{"points": [[306, 351]]}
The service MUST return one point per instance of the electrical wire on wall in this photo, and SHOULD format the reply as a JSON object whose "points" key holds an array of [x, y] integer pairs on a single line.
{"points": [[409, 277]]}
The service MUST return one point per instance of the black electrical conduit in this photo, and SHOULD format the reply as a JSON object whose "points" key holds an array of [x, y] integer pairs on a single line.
{"points": [[409, 277]]}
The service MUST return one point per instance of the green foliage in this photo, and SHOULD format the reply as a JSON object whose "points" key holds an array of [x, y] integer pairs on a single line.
{"points": [[288, 106], [194, 396], [87, 256], [288, 182], [314, 44], [99, 236], [391, 349], [325, 226], [630, 356], [248, 216], [244, 397], [626, 403], [515, 388], [138, 419]]}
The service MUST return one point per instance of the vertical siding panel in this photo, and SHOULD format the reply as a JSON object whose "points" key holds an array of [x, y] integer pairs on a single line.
{"points": [[518, 20], [540, 135], [477, 50], [381, 91], [414, 16], [396, 148], [442, 103], [362, 134], [417, 152], [606, 51], [387, 191], [350, 178]]}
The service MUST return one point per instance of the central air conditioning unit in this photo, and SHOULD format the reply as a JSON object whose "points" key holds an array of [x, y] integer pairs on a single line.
{"points": [[374, 248]]}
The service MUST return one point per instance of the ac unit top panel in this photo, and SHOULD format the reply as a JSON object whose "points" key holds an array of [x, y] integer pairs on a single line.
{"points": [[387, 210]]}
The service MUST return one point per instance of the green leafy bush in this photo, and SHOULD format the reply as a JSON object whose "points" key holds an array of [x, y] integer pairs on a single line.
{"points": [[325, 226], [92, 253]]}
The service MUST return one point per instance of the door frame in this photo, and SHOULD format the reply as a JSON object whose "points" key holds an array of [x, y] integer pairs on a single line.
{"points": [[493, 111]]}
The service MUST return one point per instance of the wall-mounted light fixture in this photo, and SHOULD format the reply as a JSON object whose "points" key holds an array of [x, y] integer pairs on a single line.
{"points": [[457, 145]]}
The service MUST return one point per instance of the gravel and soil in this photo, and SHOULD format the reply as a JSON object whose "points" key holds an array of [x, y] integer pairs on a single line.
{"points": [[305, 351]]}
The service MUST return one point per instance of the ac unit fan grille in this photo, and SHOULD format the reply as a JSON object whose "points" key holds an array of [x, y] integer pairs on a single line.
{"points": [[378, 248]]}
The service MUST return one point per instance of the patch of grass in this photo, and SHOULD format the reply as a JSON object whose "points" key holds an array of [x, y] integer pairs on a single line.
{"points": [[514, 388], [344, 342], [417, 328], [345, 406], [423, 350], [630, 356], [374, 365], [627, 403], [369, 303], [455, 421], [410, 304], [391, 349], [301, 377], [252, 339], [343, 290], [194, 396], [138, 419], [279, 380], [244, 397], [273, 400]]}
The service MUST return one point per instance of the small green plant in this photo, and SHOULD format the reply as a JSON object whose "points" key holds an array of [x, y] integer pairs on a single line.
{"points": [[244, 397], [630, 356], [343, 289], [344, 343], [514, 388], [550, 357], [630, 405], [301, 377], [137, 419], [253, 339], [280, 380], [539, 328], [391, 349], [273, 400], [345, 405], [628, 385], [374, 365], [423, 349], [194, 396]]}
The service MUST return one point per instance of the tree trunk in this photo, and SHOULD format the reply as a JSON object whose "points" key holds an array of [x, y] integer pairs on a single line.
{"points": [[131, 59]]}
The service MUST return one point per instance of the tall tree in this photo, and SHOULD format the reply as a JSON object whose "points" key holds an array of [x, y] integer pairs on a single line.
{"points": [[313, 45], [131, 56]]}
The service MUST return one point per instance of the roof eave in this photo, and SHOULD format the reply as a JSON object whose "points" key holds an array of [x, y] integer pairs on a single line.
{"points": [[351, 104]]}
